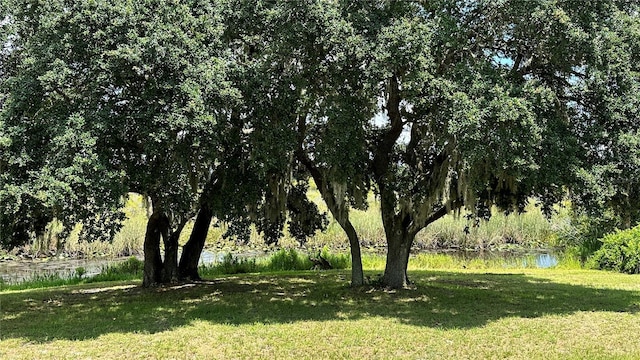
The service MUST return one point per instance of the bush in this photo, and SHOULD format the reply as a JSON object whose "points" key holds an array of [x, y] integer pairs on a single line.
{"points": [[337, 261], [620, 251], [285, 260]]}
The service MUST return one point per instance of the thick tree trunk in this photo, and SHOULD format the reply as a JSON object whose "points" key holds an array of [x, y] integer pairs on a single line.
{"points": [[398, 250], [191, 251], [156, 226], [400, 232]]}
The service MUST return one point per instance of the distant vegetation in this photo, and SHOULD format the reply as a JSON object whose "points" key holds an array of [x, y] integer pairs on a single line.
{"points": [[620, 251], [529, 230]]}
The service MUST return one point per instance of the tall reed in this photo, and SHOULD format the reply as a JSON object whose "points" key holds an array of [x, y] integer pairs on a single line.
{"points": [[529, 230]]}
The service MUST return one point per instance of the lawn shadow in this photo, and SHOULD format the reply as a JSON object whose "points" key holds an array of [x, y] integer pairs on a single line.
{"points": [[440, 299]]}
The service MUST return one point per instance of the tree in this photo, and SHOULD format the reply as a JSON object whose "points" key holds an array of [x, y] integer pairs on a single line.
{"points": [[475, 108], [47, 144], [304, 104], [153, 87], [141, 88], [606, 108]]}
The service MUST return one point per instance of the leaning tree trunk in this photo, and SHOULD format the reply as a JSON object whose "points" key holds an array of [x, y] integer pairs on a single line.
{"points": [[341, 214], [191, 251], [342, 217], [157, 225], [357, 274], [170, 272]]}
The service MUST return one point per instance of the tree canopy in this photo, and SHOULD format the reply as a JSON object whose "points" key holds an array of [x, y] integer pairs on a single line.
{"points": [[226, 108]]}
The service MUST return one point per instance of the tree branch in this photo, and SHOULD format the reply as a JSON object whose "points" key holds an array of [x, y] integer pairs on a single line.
{"points": [[444, 210], [388, 138]]}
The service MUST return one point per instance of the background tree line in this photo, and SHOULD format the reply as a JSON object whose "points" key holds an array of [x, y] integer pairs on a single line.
{"points": [[224, 109]]}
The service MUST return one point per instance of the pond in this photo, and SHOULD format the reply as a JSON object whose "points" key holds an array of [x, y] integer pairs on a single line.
{"points": [[541, 259], [13, 271]]}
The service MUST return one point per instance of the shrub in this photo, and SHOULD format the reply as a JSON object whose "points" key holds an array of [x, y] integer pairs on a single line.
{"points": [[132, 266], [80, 272], [284, 260], [620, 251], [337, 261]]}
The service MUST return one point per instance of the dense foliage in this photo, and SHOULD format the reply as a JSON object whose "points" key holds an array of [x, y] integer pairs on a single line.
{"points": [[606, 106], [226, 109], [620, 251]]}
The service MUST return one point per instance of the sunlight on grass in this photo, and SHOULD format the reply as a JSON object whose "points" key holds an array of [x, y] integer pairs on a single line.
{"points": [[466, 313], [99, 290]]}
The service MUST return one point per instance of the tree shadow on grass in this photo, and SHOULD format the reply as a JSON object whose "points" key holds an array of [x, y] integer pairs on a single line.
{"points": [[440, 299]]}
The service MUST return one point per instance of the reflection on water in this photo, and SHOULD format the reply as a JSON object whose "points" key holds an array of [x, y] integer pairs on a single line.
{"points": [[515, 259], [19, 270], [544, 261]]}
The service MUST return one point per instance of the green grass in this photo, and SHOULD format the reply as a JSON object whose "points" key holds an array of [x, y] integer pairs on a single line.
{"points": [[495, 313]]}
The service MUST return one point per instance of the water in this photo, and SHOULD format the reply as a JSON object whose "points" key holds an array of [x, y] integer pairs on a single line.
{"points": [[544, 261], [514, 259], [13, 271]]}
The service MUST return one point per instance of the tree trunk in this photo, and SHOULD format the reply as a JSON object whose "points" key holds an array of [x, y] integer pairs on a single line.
{"points": [[357, 274], [156, 225], [400, 235], [341, 214], [191, 251], [170, 267], [398, 250]]}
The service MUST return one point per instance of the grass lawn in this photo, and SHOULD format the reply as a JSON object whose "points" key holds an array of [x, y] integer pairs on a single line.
{"points": [[501, 313]]}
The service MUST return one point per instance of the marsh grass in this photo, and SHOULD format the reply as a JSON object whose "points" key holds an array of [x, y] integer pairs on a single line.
{"points": [[282, 260], [451, 314], [528, 230]]}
